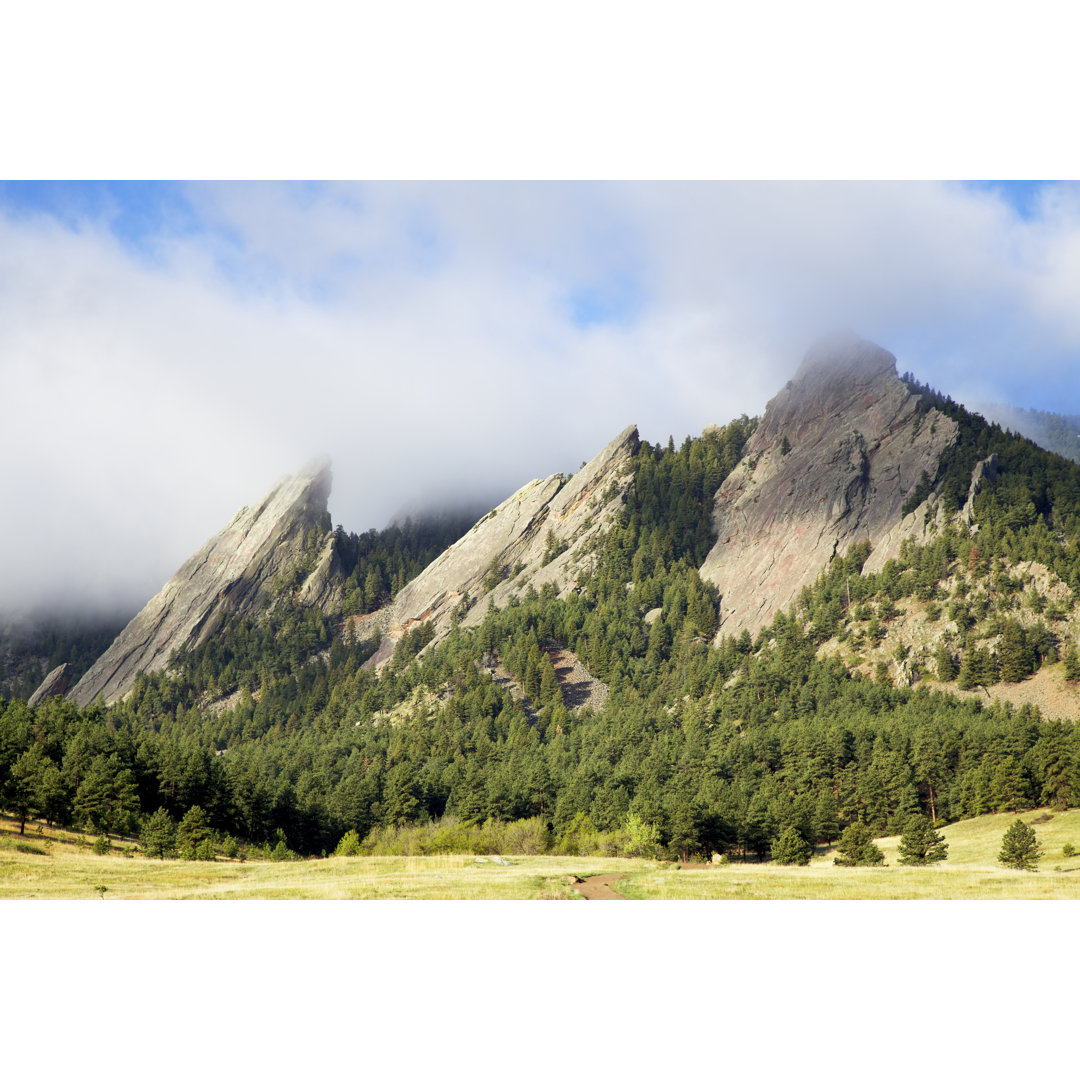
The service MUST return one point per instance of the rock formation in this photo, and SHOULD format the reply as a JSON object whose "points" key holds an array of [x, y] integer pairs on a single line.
{"points": [[836, 455], [57, 682], [236, 571], [536, 537]]}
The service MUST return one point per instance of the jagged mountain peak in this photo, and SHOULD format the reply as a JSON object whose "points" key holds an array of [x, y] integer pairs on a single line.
{"points": [[535, 537], [833, 462], [845, 356], [839, 378], [234, 571]]}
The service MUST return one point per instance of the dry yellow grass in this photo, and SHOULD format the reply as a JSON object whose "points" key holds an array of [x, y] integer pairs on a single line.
{"points": [[971, 871], [64, 870]]}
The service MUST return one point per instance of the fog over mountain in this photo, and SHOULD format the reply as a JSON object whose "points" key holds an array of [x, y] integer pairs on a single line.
{"points": [[167, 352]]}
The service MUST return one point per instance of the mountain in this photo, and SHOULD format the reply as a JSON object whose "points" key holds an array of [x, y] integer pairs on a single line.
{"points": [[859, 607], [536, 537], [282, 541], [1055, 432], [836, 456]]}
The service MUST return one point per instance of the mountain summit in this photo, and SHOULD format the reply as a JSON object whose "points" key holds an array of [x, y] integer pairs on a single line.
{"points": [[835, 458], [237, 571]]}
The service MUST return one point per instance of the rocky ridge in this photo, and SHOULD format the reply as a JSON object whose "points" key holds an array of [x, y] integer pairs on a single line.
{"points": [[57, 682], [535, 537], [236, 571], [836, 455]]}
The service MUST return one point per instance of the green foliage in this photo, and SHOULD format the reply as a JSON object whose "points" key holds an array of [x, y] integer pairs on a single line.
{"points": [[194, 828], [1020, 847], [1068, 850], [946, 666], [28, 849], [101, 845], [856, 847], [553, 548], [696, 749], [1072, 663], [158, 836], [496, 572], [379, 563], [921, 844], [349, 844], [791, 849]]}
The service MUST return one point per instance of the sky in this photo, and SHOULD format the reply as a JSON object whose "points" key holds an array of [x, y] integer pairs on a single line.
{"points": [[168, 350]]}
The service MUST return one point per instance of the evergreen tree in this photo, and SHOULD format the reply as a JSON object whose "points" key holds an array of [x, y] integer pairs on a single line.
{"points": [[921, 843], [1020, 847], [856, 848], [946, 666], [791, 849], [193, 829], [826, 823], [1072, 663], [158, 835]]}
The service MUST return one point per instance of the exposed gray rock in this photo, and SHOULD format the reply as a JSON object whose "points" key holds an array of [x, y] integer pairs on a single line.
{"points": [[514, 543], [832, 462], [985, 472], [57, 682], [238, 570]]}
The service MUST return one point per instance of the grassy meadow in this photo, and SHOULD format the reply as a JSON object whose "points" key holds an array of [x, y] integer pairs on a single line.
{"points": [[52, 863]]}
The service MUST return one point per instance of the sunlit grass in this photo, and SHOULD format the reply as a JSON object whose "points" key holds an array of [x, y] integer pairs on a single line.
{"points": [[67, 871], [52, 865]]}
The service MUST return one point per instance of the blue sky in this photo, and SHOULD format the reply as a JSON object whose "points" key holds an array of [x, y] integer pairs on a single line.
{"points": [[191, 342]]}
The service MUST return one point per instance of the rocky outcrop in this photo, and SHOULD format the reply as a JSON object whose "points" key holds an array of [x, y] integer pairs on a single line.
{"points": [[536, 537], [837, 454], [985, 472], [57, 682], [284, 538]]}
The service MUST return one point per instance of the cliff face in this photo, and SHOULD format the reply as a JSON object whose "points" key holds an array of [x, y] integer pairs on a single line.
{"points": [[234, 571], [505, 551], [836, 455]]}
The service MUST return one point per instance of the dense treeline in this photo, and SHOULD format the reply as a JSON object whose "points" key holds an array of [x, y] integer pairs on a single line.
{"points": [[280, 735], [1031, 511], [379, 562]]}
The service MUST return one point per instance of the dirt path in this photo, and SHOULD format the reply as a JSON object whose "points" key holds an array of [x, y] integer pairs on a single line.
{"points": [[598, 887]]}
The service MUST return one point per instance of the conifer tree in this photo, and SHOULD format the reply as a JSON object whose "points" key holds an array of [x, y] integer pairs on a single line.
{"points": [[159, 834], [856, 848], [1020, 847], [946, 666], [826, 817], [1072, 663], [790, 849], [921, 843]]}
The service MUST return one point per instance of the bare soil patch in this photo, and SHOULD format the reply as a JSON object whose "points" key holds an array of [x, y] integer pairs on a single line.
{"points": [[598, 887]]}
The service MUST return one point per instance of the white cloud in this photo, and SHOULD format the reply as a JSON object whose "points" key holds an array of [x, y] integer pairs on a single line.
{"points": [[420, 335]]}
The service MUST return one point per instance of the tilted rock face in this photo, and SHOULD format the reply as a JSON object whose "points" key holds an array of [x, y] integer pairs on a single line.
{"points": [[57, 682], [234, 571], [515, 534], [856, 448]]}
